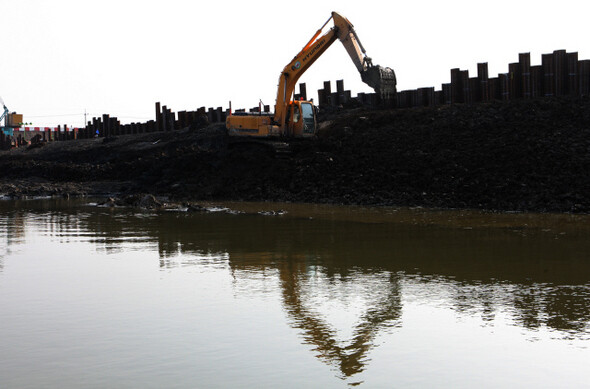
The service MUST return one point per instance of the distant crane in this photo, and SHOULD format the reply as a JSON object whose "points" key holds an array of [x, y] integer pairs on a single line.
{"points": [[11, 120], [4, 113]]}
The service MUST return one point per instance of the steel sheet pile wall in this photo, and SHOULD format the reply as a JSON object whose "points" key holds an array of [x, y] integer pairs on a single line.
{"points": [[5, 141], [24, 136], [560, 74], [166, 120]]}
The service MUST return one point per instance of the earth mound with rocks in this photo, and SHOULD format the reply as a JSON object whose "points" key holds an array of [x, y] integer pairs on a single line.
{"points": [[529, 155]]}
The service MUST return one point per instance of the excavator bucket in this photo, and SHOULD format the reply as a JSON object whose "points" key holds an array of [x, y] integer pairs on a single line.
{"points": [[382, 80]]}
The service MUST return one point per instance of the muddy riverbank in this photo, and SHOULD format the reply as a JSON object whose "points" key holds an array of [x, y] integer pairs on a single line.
{"points": [[516, 156]]}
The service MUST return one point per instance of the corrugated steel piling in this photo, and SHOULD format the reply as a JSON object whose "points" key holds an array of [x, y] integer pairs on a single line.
{"points": [[572, 74], [164, 116], [456, 87], [303, 91], [483, 78], [328, 87], [560, 72], [584, 77], [182, 119], [328, 93], [426, 97], [464, 74], [220, 115], [211, 115], [504, 86], [105, 126], [405, 99], [158, 117], [322, 96], [171, 117], [548, 75], [339, 86], [537, 81], [114, 126], [474, 93], [524, 60], [447, 94], [514, 80]]}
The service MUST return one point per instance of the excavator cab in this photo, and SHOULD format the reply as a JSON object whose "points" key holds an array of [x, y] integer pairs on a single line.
{"points": [[301, 119]]}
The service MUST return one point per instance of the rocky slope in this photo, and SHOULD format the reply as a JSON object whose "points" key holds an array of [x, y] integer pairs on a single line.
{"points": [[516, 156]]}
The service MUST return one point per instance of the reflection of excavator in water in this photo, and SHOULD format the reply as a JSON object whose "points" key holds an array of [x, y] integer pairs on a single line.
{"points": [[298, 118], [350, 356]]}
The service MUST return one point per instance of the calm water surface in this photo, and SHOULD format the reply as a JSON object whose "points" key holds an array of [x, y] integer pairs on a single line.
{"points": [[314, 297]]}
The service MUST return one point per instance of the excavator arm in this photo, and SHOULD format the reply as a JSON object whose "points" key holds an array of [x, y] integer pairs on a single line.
{"points": [[379, 78]]}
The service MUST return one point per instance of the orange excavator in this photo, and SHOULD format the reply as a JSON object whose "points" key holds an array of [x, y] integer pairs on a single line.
{"points": [[298, 118]]}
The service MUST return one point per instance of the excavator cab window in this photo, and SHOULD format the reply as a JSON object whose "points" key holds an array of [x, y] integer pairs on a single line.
{"points": [[308, 118]]}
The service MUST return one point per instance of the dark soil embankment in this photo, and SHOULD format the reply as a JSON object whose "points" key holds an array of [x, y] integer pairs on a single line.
{"points": [[517, 156]]}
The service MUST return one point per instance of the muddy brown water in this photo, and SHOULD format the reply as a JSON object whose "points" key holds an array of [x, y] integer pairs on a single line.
{"points": [[290, 295]]}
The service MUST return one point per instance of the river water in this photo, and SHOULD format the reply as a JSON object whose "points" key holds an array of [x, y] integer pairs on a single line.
{"points": [[291, 296]]}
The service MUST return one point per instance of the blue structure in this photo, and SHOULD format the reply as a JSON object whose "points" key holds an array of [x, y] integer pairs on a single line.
{"points": [[5, 129]]}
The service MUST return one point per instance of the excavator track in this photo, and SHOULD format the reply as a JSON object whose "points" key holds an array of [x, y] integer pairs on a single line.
{"points": [[282, 149], [278, 148]]}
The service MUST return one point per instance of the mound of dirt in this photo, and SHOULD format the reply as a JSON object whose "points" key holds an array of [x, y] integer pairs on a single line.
{"points": [[513, 156]]}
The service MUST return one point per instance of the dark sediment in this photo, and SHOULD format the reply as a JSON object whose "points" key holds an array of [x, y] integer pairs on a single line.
{"points": [[516, 156]]}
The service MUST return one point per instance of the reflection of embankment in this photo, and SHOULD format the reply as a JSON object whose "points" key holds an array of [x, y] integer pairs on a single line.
{"points": [[538, 275], [12, 231]]}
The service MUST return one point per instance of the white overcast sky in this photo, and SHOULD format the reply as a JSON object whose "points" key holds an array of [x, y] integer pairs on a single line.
{"points": [[62, 58]]}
